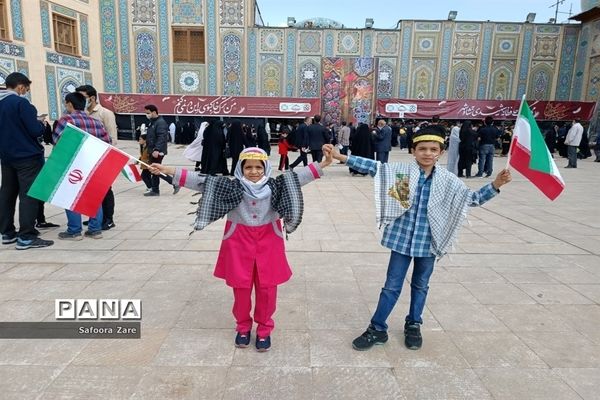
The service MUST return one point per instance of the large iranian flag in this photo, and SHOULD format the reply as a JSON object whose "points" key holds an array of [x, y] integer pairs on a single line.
{"points": [[78, 172], [530, 156]]}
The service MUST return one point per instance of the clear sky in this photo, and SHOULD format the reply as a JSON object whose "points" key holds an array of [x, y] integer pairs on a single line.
{"points": [[386, 13]]}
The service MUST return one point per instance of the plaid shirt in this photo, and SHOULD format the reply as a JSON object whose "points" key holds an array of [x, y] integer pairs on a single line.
{"points": [[410, 234], [83, 121]]}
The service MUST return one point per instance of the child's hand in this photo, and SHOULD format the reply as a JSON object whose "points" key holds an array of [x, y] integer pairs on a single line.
{"points": [[158, 169], [502, 178], [327, 151]]}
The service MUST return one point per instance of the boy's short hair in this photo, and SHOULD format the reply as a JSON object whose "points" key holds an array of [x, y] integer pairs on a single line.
{"points": [[77, 100], [425, 134], [151, 108], [15, 79]]}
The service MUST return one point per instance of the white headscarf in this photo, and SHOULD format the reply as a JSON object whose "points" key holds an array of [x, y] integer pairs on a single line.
{"points": [[194, 151], [259, 190]]}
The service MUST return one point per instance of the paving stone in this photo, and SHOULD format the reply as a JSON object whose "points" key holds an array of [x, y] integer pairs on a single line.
{"points": [[341, 315], [466, 317], [585, 381], [206, 315], [55, 352], [448, 293], [498, 293], [334, 348], [197, 348], [79, 272], [51, 290], [30, 272], [524, 317], [438, 351], [355, 383], [440, 384], [584, 318], [592, 292], [26, 311], [20, 382], [553, 349], [257, 383], [553, 294], [5, 267], [190, 272], [525, 275], [289, 348], [525, 383]]}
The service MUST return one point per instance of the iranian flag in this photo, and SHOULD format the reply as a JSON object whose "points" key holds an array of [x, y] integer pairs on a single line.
{"points": [[78, 172], [530, 156], [132, 173]]}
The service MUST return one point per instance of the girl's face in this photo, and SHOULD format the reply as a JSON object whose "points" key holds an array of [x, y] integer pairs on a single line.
{"points": [[253, 170], [427, 153]]}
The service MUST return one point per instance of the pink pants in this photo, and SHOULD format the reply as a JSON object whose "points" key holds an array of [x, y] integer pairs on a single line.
{"points": [[265, 304]]}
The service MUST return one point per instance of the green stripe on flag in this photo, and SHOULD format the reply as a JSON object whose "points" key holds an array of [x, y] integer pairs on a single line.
{"points": [[58, 164], [540, 157]]}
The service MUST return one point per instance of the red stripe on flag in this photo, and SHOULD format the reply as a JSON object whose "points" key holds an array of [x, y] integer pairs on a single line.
{"points": [[98, 182], [136, 172], [547, 183]]}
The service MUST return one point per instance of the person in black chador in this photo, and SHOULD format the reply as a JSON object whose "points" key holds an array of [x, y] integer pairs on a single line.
{"points": [[213, 157], [466, 149], [236, 143], [262, 139], [361, 145]]}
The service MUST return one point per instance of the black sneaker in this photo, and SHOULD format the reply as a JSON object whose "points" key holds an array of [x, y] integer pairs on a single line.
{"points": [[86, 223], [9, 238], [412, 335], [369, 338], [93, 235], [176, 189], [70, 236], [242, 340], [263, 344], [108, 225], [46, 225], [36, 243]]}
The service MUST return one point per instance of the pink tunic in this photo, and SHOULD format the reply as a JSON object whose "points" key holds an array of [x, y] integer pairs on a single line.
{"points": [[244, 246]]}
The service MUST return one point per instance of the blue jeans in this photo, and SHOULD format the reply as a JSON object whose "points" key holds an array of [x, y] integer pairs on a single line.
{"points": [[419, 286], [74, 222], [486, 159]]}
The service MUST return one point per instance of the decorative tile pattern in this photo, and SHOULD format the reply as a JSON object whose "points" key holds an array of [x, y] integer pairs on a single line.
{"points": [[163, 32], [16, 16], [368, 44], [386, 43], [514, 28], [524, 64], [7, 65], [501, 80], [329, 43], [290, 60], [271, 66], [12, 49], [485, 61], [405, 61], [466, 45], [547, 29], [232, 64], [232, 12], [385, 78], [64, 11], [362, 89], [211, 40], [593, 92], [540, 83], [145, 60], [580, 63], [309, 74], [45, 19], [23, 67], [463, 79], [428, 26], [125, 52], [423, 77], [468, 27], [506, 46], [348, 42], [65, 73], [426, 45], [189, 79], [186, 12], [110, 52], [83, 33], [61, 59], [88, 78], [143, 11], [567, 62], [309, 42], [445, 61], [252, 62], [545, 47], [271, 40], [53, 112]]}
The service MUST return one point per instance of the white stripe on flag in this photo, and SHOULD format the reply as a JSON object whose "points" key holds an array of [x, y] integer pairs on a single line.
{"points": [[87, 158]]}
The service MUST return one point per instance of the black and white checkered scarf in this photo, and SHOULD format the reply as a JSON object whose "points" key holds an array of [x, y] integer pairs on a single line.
{"points": [[221, 195]]}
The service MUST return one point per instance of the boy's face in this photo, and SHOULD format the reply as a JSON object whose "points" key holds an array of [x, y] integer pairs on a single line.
{"points": [[253, 170], [427, 153]]}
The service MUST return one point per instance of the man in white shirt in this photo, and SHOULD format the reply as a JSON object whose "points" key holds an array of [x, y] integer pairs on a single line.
{"points": [[572, 142]]}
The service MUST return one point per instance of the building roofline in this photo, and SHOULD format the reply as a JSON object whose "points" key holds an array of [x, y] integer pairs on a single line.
{"points": [[589, 15]]}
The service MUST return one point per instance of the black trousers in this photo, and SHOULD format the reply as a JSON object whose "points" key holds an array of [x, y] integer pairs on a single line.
{"points": [[155, 178], [17, 178], [317, 155], [108, 206], [301, 158]]}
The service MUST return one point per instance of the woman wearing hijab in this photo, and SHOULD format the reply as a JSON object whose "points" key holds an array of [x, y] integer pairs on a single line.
{"points": [[466, 149], [453, 149], [213, 157], [194, 151], [235, 138], [262, 139], [361, 145]]}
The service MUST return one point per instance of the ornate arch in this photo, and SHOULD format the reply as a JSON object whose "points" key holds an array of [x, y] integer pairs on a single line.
{"points": [[385, 80], [232, 64], [309, 83], [501, 83], [463, 81], [540, 83], [270, 76], [146, 61], [422, 82]]}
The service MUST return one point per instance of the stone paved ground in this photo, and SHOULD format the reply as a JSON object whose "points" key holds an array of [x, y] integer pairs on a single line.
{"points": [[513, 313]]}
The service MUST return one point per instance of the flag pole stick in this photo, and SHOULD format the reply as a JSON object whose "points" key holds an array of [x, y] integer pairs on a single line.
{"points": [[512, 139], [133, 158]]}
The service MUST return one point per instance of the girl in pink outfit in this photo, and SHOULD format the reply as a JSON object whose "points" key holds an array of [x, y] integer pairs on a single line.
{"points": [[252, 252]]}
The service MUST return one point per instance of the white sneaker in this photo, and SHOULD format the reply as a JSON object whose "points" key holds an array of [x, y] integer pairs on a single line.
{"points": [[148, 190]]}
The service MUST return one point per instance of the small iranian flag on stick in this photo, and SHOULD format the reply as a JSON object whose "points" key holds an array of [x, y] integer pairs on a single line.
{"points": [[79, 172], [132, 173], [530, 156]]}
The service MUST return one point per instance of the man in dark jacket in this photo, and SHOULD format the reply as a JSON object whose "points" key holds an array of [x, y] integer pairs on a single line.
{"points": [[383, 141], [156, 142], [21, 159], [488, 135], [301, 142], [317, 137]]}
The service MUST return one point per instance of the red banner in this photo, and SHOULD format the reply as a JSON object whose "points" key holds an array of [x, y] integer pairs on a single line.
{"points": [[216, 106], [479, 109]]}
